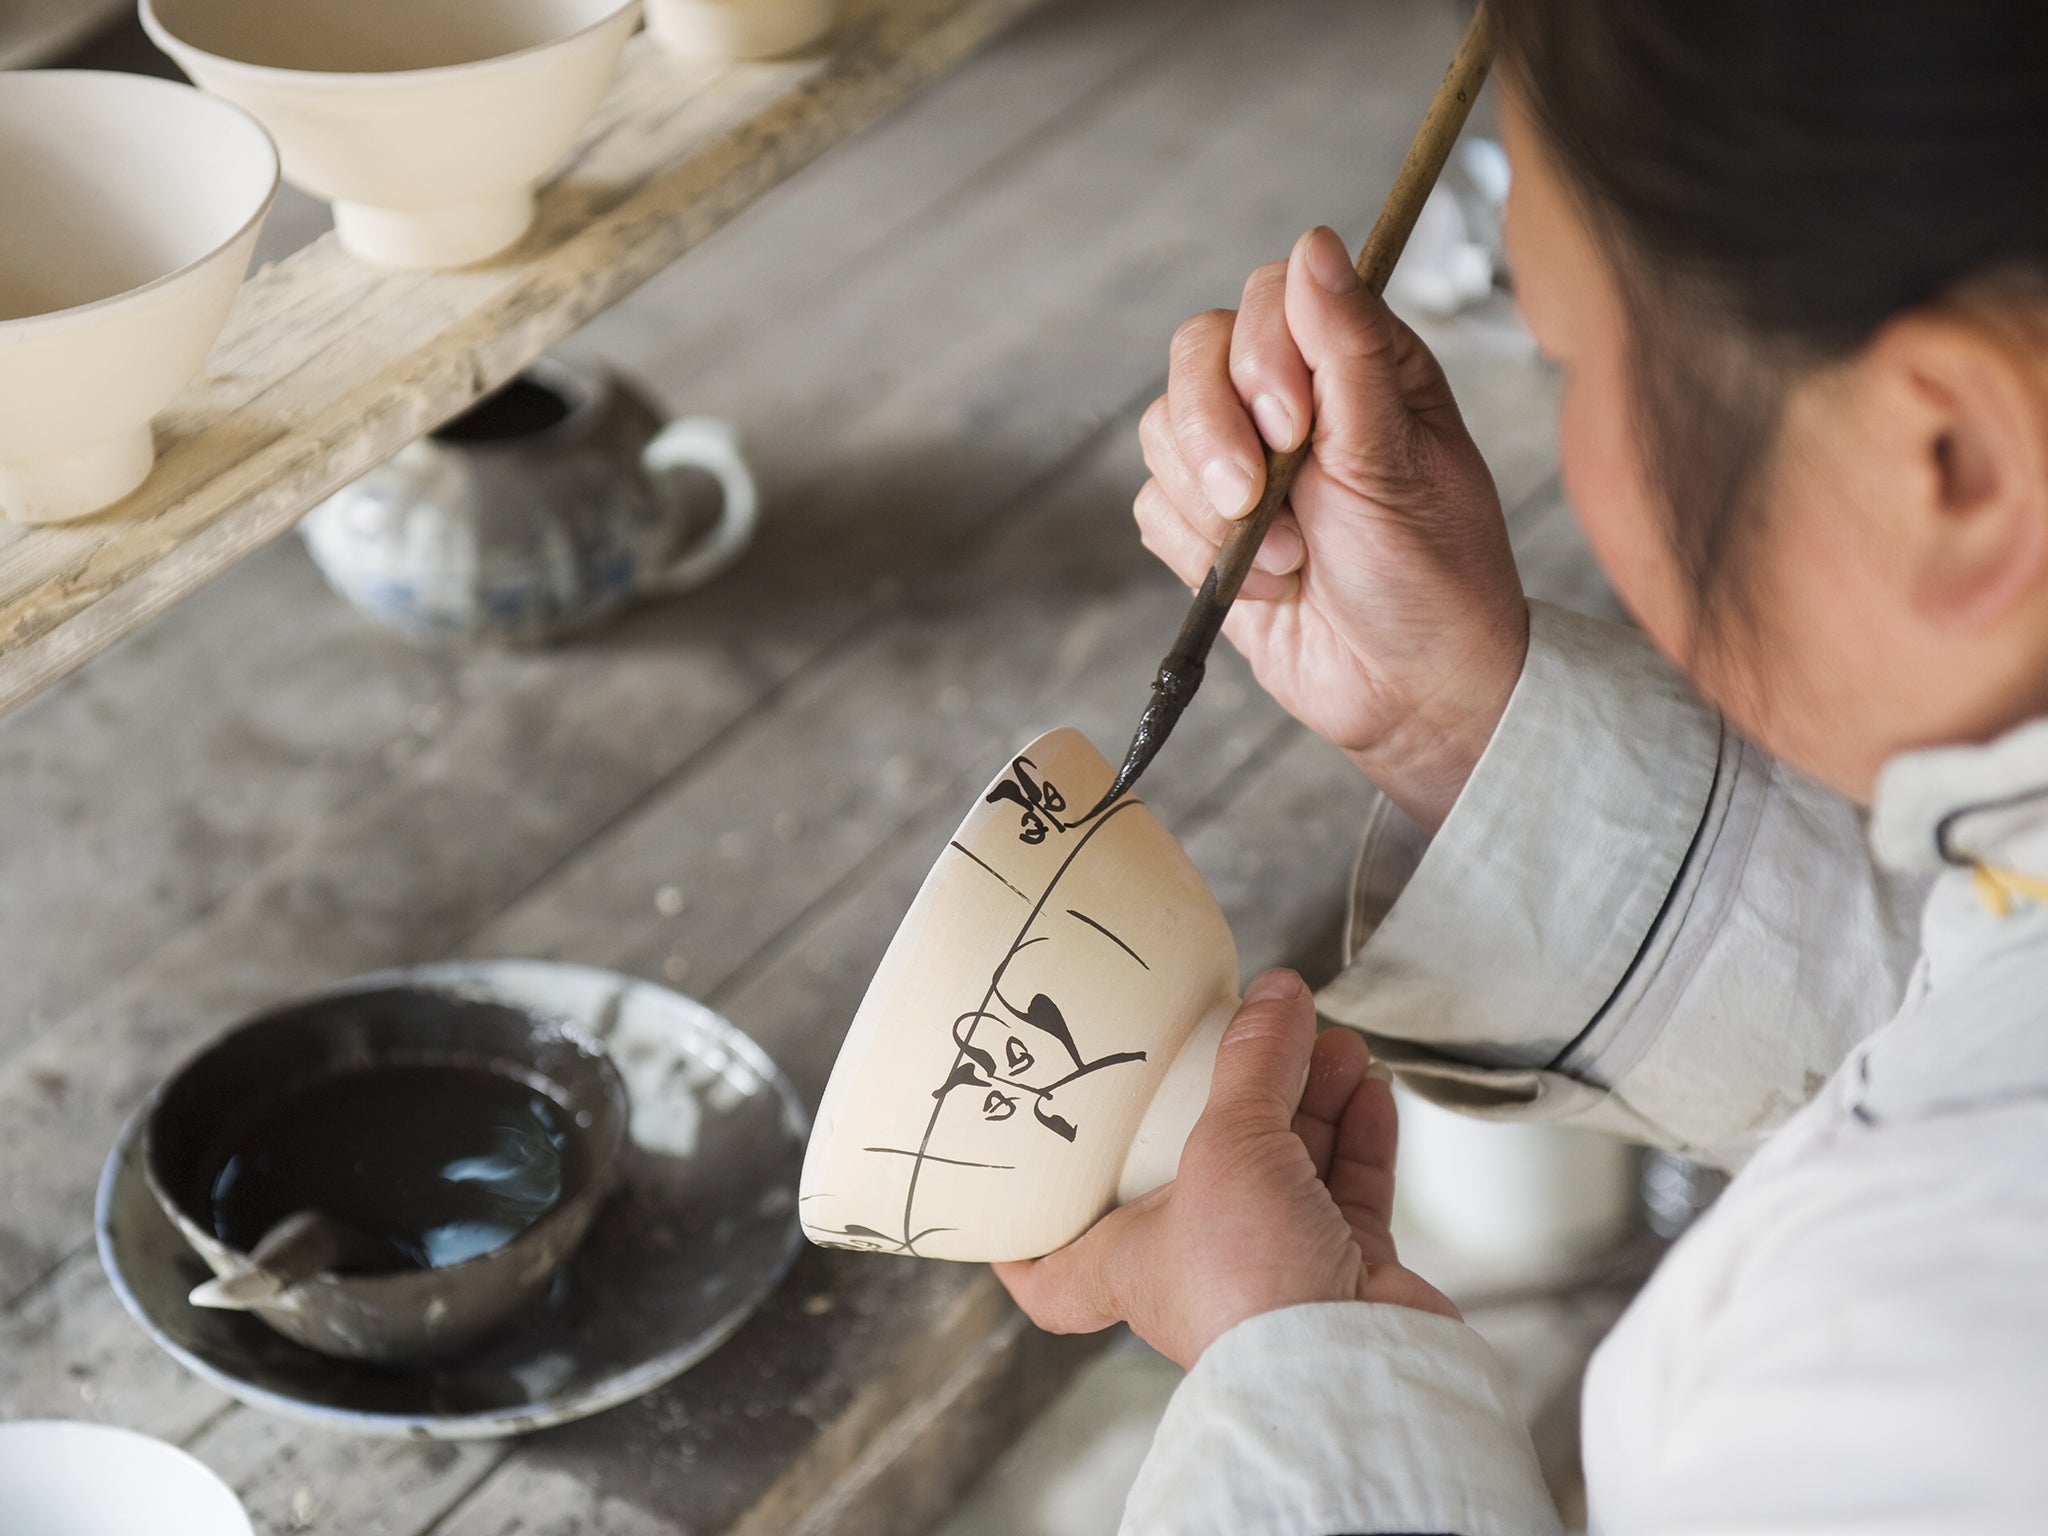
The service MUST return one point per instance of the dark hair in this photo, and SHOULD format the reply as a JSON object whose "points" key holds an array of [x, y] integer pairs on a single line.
{"points": [[1778, 178]]}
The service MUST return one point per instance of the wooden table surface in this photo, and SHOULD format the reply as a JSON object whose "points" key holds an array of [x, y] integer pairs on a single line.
{"points": [[937, 342]]}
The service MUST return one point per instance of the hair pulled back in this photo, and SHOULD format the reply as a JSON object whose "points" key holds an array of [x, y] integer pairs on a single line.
{"points": [[1774, 180]]}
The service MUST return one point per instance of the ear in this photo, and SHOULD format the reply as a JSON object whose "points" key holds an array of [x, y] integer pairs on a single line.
{"points": [[1964, 404]]}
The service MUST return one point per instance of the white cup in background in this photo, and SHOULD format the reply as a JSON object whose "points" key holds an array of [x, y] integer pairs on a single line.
{"points": [[1514, 1196]]}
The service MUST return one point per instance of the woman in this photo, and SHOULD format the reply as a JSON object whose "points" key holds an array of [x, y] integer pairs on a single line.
{"points": [[1792, 256]]}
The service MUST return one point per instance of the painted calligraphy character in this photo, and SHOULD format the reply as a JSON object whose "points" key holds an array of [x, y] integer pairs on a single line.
{"points": [[1038, 798]]}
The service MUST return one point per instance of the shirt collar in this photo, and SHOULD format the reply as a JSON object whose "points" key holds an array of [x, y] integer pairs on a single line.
{"points": [[1949, 807]]}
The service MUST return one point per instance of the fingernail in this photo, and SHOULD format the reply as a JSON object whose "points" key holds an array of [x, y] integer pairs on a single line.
{"points": [[1229, 487], [1272, 986], [1380, 1072], [1329, 263], [1282, 553], [1276, 422]]}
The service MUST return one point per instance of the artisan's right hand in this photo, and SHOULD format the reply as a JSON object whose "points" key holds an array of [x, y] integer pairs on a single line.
{"points": [[1384, 611]]}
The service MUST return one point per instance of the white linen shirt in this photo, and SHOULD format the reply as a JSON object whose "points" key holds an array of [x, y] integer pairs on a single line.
{"points": [[1633, 920]]}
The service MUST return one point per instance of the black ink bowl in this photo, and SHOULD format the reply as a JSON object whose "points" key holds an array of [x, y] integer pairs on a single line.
{"points": [[248, 1086]]}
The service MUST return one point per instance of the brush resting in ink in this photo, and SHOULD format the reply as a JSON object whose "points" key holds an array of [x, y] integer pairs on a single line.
{"points": [[1180, 674]]}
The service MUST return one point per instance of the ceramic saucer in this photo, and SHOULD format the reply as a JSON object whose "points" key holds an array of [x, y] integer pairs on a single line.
{"points": [[700, 1230]]}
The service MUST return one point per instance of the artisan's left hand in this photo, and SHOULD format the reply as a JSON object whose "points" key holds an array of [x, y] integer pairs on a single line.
{"points": [[1283, 1197]]}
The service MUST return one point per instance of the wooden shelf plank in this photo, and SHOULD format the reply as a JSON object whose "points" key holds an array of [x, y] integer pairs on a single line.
{"points": [[328, 367]]}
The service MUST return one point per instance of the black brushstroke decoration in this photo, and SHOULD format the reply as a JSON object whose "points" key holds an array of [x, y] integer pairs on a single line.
{"points": [[1038, 798], [1057, 1124], [1107, 934], [1044, 1014]]}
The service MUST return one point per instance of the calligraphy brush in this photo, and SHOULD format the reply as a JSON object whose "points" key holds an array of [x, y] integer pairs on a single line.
{"points": [[1180, 674]]}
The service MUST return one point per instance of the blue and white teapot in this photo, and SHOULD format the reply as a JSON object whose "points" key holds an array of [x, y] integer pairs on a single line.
{"points": [[544, 509]]}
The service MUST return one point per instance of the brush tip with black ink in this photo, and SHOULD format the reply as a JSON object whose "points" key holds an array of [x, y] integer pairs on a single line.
{"points": [[1172, 691]]}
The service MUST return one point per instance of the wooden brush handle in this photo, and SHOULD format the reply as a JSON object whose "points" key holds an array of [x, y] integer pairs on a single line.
{"points": [[1418, 174]]}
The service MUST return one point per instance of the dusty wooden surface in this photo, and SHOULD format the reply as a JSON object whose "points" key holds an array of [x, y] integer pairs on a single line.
{"points": [[328, 367], [938, 341]]}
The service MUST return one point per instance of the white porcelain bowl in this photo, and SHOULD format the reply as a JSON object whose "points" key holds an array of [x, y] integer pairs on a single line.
{"points": [[427, 123], [1039, 1039], [738, 29], [128, 211], [65, 1479]]}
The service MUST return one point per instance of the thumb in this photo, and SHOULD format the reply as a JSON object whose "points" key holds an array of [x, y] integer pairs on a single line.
{"points": [[1371, 374], [1262, 1063]]}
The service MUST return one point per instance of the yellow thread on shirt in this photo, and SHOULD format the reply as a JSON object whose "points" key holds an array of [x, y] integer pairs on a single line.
{"points": [[1996, 888]]}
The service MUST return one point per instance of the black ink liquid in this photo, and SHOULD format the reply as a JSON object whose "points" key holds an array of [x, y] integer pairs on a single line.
{"points": [[438, 1163]]}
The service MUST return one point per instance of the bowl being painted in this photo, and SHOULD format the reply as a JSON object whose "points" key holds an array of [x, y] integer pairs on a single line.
{"points": [[427, 123], [1040, 1036], [399, 1315], [131, 209]]}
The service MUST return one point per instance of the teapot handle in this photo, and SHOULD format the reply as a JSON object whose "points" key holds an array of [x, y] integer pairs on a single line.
{"points": [[711, 446]]}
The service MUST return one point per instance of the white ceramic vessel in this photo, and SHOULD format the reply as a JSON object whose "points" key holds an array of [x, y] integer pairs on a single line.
{"points": [[66, 1479], [128, 211], [1040, 1037], [1520, 1197], [427, 123], [738, 29]]}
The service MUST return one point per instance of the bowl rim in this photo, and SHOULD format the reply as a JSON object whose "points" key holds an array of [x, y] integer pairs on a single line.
{"points": [[606, 1156], [368, 80], [22, 325], [133, 1440]]}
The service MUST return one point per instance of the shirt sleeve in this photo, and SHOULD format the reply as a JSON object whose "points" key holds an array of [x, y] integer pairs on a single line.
{"points": [[1619, 924], [1342, 1419], [1869, 1357]]}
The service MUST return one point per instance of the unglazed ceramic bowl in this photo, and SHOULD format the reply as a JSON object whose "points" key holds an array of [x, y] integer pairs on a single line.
{"points": [[128, 211], [65, 1479], [427, 123], [1040, 1037], [738, 29]]}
